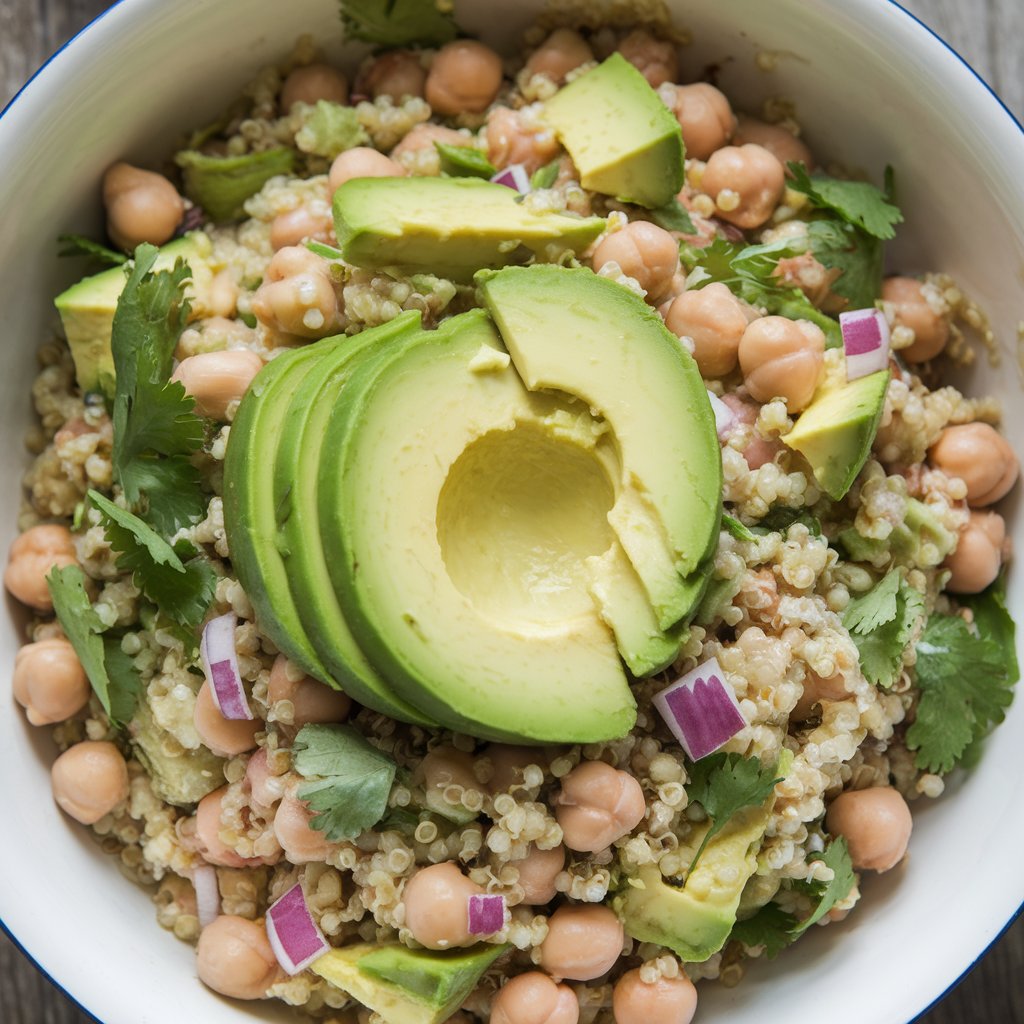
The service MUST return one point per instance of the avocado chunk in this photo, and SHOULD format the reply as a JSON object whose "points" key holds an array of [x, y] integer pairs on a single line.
{"points": [[836, 431], [573, 331], [450, 227], [221, 184], [460, 569], [407, 986], [920, 526], [295, 471], [87, 308], [623, 139]]}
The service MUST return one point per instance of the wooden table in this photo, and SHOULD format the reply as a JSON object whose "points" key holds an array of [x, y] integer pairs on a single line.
{"points": [[990, 34]]}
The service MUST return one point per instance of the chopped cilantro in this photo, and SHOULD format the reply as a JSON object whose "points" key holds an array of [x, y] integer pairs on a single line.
{"points": [[399, 22], [155, 429], [736, 528], [111, 673], [837, 857], [780, 519], [726, 783], [881, 623], [857, 202], [673, 216], [966, 682], [181, 590], [329, 252], [330, 129], [771, 927], [79, 245], [464, 162], [545, 177], [353, 779], [859, 256]]}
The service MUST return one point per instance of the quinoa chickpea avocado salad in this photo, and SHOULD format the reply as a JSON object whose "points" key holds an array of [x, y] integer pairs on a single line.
{"points": [[497, 547]]}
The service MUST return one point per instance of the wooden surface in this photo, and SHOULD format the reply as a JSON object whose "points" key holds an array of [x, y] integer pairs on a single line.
{"points": [[990, 34]]}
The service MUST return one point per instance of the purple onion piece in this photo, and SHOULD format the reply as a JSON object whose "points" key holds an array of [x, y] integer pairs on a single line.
{"points": [[514, 176], [486, 913], [865, 342], [293, 934], [220, 663]]}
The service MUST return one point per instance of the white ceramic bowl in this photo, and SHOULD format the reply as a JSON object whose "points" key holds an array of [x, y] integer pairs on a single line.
{"points": [[872, 86]]}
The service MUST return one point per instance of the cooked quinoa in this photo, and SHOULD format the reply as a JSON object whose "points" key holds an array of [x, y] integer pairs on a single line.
{"points": [[775, 622]]}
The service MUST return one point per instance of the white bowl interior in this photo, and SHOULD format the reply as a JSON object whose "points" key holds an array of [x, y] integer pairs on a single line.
{"points": [[871, 86]]}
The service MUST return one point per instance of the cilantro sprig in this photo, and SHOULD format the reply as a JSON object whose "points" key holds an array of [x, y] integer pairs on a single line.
{"points": [[352, 779], [398, 22], [857, 202], [881, 623], [724, 784], [79, 245], [155, 428], [111, 673]]}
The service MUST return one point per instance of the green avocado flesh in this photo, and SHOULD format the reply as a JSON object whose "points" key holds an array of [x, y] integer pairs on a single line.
{"points": [[450, 227], [87, 308], [623, 139], [407, 986], [836, 431]]}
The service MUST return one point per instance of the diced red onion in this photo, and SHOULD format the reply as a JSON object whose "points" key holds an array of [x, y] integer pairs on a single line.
{"points": [[701, 710], [293, 934], [865, 342], [725, 418], [514, 176], [486, 913], [204, 880], [220, 663]]}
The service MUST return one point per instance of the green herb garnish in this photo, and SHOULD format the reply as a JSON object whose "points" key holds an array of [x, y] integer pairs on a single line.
{"points": [[736, 528], [79, 245], [837, 857], [399, 22], [857, 202], [673, 216]]}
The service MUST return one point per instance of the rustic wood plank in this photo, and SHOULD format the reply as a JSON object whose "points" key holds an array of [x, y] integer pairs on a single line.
{"points": [[988, 35]]}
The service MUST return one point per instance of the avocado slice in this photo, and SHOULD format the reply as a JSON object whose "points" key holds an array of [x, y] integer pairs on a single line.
{"points": [[221, 184], [623, 139], [295, 472], [571, 330], [450, 227], [460, 568], [87, 308], [407, 986], [836, 431]]}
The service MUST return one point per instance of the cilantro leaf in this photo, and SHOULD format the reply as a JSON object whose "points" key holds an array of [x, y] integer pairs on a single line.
{"points": [[881, 623], [726, 783], [398, 22], [673, 216], [155, 428], [837, 857], [545, 177], [353, 779], [993, 622], [780, 519], [111, 674], [79, 245], [464, 162], [736, 528], [857, 202], [858, 256], [182, 591], [771, 927], [966, 683]]}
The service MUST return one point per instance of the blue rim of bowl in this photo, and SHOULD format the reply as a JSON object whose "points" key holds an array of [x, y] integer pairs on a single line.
{"points": [[893, 3]]}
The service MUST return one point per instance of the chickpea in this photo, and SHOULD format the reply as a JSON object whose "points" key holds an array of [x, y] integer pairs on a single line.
{"points": [[713, 319], [534, 998], [89, 780], [665, 1001], [655, 59], [979, 554], [235, 958], [265, 787], [312, 700], [443, 767], [753, 175], [361, 162], [313, 83], [49, 681], [782, 358], [142, 206], [511, 139], [981, 457], [464, 78], [297, 295], [537, 873], [563, 51], [705, 117], [875, 823], [911, 309], [37, 551], [597, 805], [437, 906], [759, 451], [296, 226], [644, 252], [417, 153], [779, 141], [222, 297], [208, 825], [816, 690], [301, 843], [583, 942], [226, 737], [397, 73], [218, 380], [508, 763]]}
